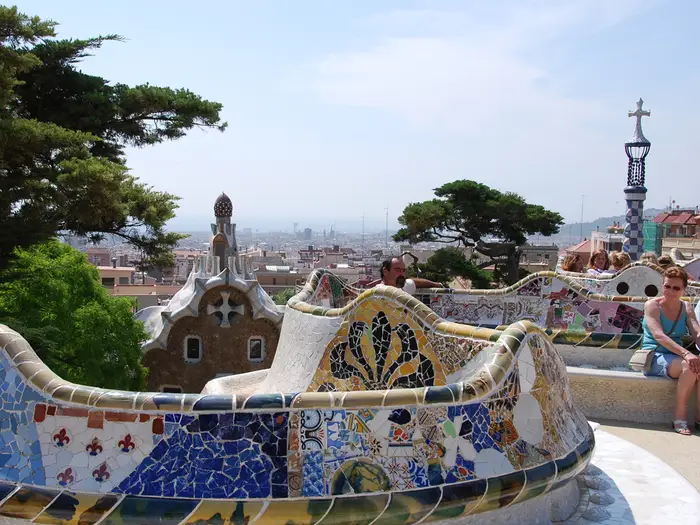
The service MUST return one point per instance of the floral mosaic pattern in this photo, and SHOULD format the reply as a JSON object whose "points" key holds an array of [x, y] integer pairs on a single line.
{"points": [[379, 346]]}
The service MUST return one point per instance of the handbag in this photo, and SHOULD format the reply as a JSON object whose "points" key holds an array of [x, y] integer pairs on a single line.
{"points": [[642, 359]]}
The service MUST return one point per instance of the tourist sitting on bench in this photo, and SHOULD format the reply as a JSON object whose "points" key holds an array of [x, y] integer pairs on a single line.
{"points": [[598, 262], [649, 257], [618, 260], [572, 263], [393, 273], [666, 320]]}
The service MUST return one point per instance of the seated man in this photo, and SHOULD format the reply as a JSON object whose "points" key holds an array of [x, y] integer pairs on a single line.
{"points": [[393, 273]]}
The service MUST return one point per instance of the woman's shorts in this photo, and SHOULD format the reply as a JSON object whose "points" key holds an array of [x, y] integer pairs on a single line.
{"points": [[660, 364]]}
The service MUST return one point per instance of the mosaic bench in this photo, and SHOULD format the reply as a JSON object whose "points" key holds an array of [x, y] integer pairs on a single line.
{"points": [[378, 411], [591, 320]]}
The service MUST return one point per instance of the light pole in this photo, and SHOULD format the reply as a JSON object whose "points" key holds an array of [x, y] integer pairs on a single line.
{"points": [[581, 222], [637, 150]]}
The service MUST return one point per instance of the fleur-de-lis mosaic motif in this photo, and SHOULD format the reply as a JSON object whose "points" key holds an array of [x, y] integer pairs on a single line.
{"points": [[65, 477], [61, 438], [100, 473], [127, 444], [370, 365], [94, 447]]}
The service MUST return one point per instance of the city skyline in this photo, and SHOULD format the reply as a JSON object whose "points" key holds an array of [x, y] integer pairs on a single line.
{"points": [[350, 108]]}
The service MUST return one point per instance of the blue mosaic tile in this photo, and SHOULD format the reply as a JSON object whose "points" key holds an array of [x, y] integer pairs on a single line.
{"points": [[20, 452], [216, 456], [313, 474]]}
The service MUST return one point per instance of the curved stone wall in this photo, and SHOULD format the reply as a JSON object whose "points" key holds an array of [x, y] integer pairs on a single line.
{"points": [[409, 417]]}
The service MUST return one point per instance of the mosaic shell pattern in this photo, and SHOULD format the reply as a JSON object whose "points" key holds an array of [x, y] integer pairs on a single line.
{"points": [[409, 417]]}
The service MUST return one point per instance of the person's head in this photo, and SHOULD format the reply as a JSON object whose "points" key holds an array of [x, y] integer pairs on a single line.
{"points": [[572, 263], [675, 282], [649, 257], [393, 272], [599, 260], [665, 262], [619, 260]]}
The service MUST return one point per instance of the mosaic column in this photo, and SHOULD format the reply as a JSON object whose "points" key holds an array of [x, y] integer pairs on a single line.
{"points": [[634, 231], [637, 150]]}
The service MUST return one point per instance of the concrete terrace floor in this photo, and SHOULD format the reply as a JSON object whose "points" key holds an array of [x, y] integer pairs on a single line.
{"points": [[679, 452]]}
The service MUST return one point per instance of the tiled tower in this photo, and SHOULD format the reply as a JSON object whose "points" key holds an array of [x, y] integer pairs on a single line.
{"points": [[637, 149]]}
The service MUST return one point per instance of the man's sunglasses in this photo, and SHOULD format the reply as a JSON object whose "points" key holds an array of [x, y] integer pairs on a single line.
{"points": [[674, 288]]}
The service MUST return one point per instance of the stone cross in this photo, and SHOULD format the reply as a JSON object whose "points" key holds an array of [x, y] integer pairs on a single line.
{"points": [[639, 113], [225, 309]]}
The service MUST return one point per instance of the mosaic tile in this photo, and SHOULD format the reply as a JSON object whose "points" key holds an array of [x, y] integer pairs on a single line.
{"points": [[295, 512], [371, 352], [132, 510], [406, 508], [225, 512], [339, 448], [358, 511], [71, 508], [27, 502], [216, 456]]}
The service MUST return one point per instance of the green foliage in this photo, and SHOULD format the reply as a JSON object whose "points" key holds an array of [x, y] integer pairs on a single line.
{"points": [[18, 30], [284, 296], [117, 114], [62, 138], [469, 213], [51, 295], [450, 262]]}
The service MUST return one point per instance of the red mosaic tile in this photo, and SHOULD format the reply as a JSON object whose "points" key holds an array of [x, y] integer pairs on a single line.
{"points": [[123, 417], [72, 412], [158, 427], [96, 420], [39, 413]]}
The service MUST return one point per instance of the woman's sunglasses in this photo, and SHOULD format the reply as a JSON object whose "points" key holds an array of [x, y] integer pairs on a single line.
{"points": [[674, 288]]}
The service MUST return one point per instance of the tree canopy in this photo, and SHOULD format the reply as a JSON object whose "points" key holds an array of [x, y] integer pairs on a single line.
{"points": [[468, 213], [51, 295], [450, 262], [284, 296], [62, 139]]}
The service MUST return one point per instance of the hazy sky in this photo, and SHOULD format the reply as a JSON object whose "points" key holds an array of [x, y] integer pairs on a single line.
{"points": [[339, 108]]}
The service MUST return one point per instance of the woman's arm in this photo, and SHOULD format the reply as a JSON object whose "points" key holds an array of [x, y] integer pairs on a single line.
{"points": [[692, 322], [652, 316]]}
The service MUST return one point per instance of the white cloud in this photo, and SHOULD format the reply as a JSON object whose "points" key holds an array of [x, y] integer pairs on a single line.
{"points": [[484, 78], [474, 80]]}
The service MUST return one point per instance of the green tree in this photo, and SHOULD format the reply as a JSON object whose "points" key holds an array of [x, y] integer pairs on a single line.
{"points": [[62, 137], [450, 262], [284, 296], [51, 295], [117, 114], [471, 214]]}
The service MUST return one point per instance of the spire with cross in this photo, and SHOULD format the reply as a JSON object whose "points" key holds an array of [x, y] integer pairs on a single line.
{"points": [[635, 193], [638, 114]]}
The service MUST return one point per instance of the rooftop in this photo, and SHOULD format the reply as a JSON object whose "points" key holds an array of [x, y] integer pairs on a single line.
{"points": [[684, 217]]}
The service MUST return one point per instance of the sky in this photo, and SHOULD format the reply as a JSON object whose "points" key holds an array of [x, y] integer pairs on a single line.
{"points": [[339, 109]]}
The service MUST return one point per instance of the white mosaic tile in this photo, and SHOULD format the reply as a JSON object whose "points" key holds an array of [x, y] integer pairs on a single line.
{"points": [[303, 340]]}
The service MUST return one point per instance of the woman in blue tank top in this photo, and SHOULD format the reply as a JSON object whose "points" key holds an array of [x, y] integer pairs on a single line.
{"points": [[666, 320]]}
